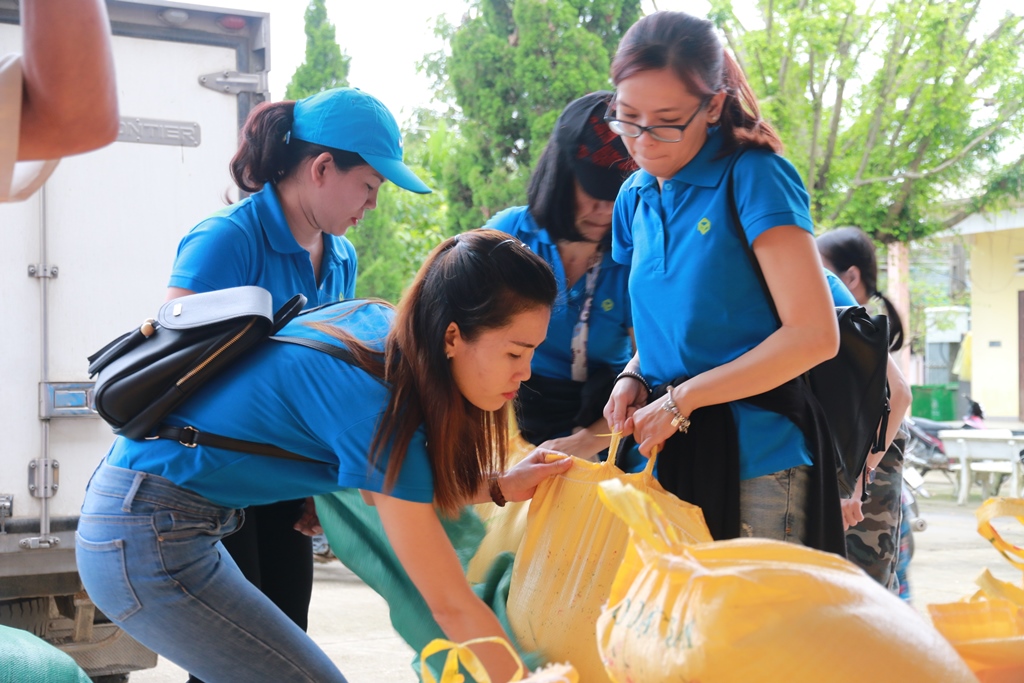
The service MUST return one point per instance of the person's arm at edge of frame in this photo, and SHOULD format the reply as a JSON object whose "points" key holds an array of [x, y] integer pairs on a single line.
{"points": [[426, 553], [69, 103], [809, 335]]}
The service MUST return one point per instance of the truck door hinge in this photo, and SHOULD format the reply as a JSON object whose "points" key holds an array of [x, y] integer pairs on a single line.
{"points": [[41, 270], [6, 510], [43, 477], [234, 82]]}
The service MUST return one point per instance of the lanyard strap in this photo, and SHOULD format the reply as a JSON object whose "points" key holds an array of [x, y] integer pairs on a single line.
{"points": [[581, 331]]}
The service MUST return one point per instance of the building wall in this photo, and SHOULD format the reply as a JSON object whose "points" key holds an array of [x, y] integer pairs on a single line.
{"points": [[994, 320]]}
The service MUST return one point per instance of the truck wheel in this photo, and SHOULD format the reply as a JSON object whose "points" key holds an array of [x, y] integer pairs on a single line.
{"points": [[31, 614]]}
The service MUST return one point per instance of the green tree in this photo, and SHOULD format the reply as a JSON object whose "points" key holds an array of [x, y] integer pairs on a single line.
{"points": [[890, 109], [513, 65], [326, 66]]}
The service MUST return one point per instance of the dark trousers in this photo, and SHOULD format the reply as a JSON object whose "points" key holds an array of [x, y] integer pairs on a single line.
{"points": [[275, 558]]}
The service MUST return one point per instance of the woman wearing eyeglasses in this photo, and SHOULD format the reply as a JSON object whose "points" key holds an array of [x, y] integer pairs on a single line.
{"points": [[724, 407]]}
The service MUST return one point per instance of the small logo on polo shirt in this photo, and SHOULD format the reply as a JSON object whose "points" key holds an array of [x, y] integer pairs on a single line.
{"points": [[704, 226], [607, 305]]}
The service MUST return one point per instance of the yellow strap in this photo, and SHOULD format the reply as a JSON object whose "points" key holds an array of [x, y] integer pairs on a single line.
{"points": [[613, 453], [996, 589], [461, 654], [1001, 507], [613, 447]]}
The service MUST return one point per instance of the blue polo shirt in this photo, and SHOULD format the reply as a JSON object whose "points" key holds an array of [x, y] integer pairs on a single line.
{"points": [[697, 303], [299, 399], [250, 243], [841, 294], [611, 317]]}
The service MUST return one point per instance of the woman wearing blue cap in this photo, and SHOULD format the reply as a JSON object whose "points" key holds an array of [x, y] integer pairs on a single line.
{"points": [[568, 222], [314, 168]]}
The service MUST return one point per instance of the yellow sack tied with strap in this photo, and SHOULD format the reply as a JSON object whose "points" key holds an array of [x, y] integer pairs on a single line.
{"points": [[567, 561], [987, 629], [755, 610], [460, 656]]}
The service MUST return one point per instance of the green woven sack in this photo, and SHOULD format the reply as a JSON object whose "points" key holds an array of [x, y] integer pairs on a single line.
{"points": [[25, 658], [357, 538]]}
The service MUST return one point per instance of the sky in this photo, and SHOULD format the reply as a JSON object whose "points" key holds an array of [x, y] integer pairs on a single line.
{"points": [[386, 38]]}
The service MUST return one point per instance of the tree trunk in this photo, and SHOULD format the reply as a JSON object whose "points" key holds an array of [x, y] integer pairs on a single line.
{"points": [[899, 294]]}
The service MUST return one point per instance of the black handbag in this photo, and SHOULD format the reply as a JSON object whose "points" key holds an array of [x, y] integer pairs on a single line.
{"points": [[145, 373], [851, 387]]}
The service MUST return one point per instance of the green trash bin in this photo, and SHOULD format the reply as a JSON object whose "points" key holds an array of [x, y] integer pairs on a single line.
{"points": [[935, 401]]}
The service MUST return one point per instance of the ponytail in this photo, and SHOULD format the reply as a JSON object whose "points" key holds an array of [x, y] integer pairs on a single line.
{"points": [[741, 120], [267, 152], [895, 323], [262, 154]]}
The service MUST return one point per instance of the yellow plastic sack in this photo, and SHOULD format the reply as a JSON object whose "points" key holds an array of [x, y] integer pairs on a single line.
{"points": [[567, 561], [505, 525], [987, 629], [460, 657], [755, 610]]}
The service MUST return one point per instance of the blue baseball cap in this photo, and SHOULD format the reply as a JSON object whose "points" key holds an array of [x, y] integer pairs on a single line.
{"points": [[353, 121]]}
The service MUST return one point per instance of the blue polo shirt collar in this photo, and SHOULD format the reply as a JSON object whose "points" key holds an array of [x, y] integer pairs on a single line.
{"points": [[707, 168], [334, 255], [271, 214]]}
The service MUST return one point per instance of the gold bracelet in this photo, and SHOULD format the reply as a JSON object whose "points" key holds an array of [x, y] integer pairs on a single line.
{"points": [[495, 488], [682, 424]]}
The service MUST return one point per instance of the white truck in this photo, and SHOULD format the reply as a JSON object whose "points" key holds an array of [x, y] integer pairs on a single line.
{"points": [[84, 260]]}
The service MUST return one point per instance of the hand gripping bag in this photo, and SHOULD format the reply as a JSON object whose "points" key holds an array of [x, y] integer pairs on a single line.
{"points": [[987, 629], [755, 610], [460, 662], [567, 561], [505, 526]]}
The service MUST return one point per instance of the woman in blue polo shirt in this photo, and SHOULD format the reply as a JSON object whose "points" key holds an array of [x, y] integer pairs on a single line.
{"points": [[568, 221], [430, 439], [314, 168], [705, 331], [874, 527]]}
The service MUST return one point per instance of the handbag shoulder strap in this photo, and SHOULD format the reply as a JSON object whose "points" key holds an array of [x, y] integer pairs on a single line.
{"points": [[192, 437], [339, 352], [738, 226]]}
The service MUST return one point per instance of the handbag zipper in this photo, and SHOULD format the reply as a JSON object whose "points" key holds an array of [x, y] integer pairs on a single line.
{"points": [[219, 351]]}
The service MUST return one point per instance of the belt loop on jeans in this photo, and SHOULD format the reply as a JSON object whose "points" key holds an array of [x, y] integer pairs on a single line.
{"points": [[136, 483]]}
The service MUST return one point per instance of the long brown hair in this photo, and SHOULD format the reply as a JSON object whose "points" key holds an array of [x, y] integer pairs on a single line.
{"points": [[268, 153], [479, 280], [689, 46]]}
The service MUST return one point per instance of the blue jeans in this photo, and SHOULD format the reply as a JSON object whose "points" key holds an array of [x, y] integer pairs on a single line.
{"points": [[150, 557], [775, 505]]}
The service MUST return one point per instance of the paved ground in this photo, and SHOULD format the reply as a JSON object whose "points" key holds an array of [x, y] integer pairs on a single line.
{"points": [[350, 621]]}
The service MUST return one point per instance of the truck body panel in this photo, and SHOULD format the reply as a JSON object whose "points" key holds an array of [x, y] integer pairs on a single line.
{"points": [[88, 257]]}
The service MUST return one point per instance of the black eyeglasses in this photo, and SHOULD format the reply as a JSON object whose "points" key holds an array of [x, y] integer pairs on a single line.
{"points": [[659, 133]]}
